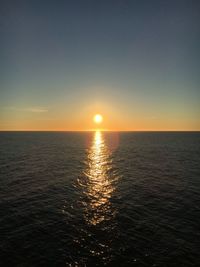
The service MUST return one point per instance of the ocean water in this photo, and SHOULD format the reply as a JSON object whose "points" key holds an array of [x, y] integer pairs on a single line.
{"points": [[99, 199]]}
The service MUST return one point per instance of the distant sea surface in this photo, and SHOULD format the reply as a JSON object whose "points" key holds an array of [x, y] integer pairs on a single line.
{"points": [[99, 199]]}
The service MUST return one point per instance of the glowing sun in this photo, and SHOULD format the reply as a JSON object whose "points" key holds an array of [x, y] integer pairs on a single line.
{"points": [[98, 118]]}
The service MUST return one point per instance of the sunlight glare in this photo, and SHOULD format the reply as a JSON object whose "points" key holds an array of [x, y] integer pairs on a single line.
{"points": [[98, 118]]}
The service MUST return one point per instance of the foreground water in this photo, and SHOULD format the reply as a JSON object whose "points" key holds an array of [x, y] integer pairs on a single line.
{"points": [[99, 199]]}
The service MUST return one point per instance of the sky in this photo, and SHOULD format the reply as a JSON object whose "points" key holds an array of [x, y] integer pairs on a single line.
{"points": [[135, 62]]}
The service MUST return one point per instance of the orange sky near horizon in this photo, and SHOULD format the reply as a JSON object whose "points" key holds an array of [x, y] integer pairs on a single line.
{"points": [[119, 114], [23, 120]]}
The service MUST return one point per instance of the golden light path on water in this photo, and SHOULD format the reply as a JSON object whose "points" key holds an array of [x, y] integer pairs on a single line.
{"points": [[100, 182]]}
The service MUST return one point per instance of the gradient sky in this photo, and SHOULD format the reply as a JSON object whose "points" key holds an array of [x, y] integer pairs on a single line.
{"points": [[135, 62]]}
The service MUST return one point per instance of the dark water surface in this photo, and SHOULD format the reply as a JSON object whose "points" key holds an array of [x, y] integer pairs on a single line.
{"points": [[99, 199]]}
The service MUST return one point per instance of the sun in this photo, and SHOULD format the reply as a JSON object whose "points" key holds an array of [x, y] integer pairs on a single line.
{"points": [[98, 118]]}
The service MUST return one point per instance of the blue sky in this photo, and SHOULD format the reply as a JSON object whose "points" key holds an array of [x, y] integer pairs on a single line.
{"points": [[136, 62]]}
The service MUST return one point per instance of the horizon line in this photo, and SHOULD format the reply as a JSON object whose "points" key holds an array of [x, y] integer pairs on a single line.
{"points": [[100, 130]]}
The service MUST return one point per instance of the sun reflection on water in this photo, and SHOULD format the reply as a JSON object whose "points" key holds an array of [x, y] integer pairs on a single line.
{"points": [[99, 184]]}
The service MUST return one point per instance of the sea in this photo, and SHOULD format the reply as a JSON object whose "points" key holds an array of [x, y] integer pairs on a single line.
{"points": [[99, 199]]}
